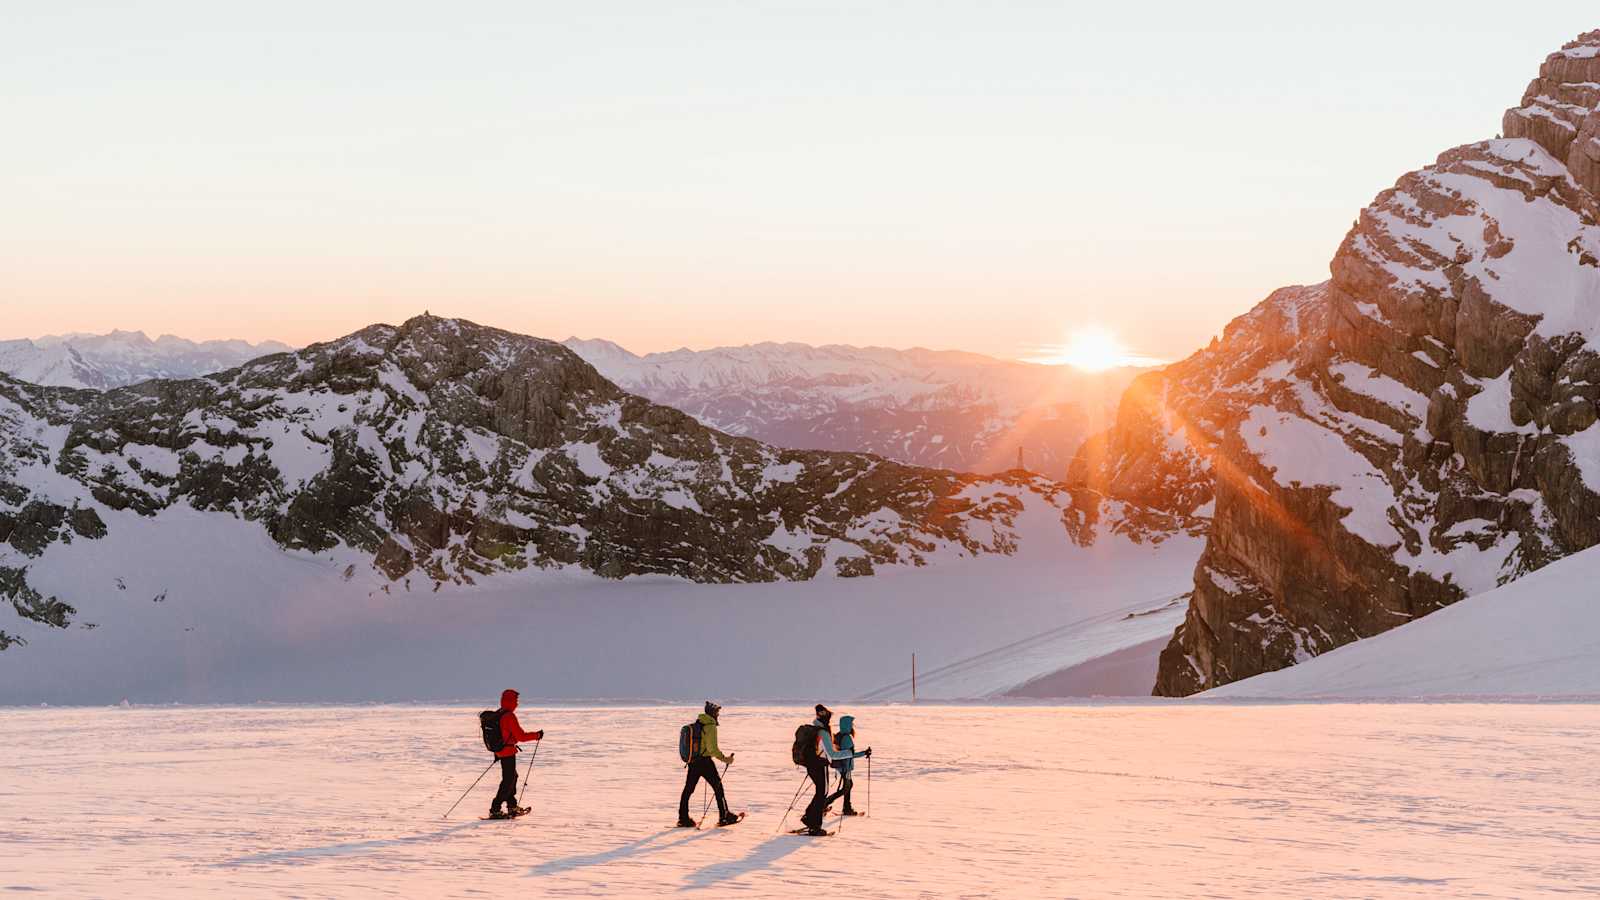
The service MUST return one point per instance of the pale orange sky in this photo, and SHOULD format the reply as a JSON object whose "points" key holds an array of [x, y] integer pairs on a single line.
{"points": [[967, 176]]}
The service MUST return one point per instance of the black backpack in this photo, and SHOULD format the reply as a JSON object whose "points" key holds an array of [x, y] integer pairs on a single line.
{"points": [[804, 751], [689, 740], [489, 720]]}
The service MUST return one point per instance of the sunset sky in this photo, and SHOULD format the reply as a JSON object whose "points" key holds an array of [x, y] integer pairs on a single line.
{"points": [[991, 177]]}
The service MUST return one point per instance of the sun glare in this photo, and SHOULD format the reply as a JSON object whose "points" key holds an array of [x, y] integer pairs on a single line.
{"points": [[1092, 350]]}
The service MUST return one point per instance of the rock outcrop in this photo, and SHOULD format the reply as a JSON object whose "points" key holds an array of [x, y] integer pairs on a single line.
{"points": [[441, 451], [1419, 428]]}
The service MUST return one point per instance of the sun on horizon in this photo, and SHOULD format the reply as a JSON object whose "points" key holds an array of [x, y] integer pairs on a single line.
{"points": [[1092, 349]]}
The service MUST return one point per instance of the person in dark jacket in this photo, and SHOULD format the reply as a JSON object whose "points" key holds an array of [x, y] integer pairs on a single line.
{"points": [[703, 764], [511, 734]]}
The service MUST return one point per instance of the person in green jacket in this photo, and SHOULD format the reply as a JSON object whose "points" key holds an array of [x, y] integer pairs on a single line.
{"points": [[702, 764]]}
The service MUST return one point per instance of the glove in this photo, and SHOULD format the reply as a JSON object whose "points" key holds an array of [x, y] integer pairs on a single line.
{"points": [[538, 735], [730, 758], [868, 753]]}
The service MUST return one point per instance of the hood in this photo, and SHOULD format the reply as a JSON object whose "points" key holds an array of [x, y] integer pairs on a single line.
{"points": [[508, 699], [705, 719], [847, 724]]}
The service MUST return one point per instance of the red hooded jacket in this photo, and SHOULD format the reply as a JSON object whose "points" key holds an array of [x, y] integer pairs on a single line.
{"points": [[510, 729]]}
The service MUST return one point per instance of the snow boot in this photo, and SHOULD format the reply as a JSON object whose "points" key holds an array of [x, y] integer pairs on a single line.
{"points": [[686, 823], [515, 811], [850, 812], [497, 814], [730, 819], [816, 832]]}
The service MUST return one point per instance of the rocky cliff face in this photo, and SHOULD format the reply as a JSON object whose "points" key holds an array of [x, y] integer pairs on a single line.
{"points": [[441, 451], [1419, 428]]}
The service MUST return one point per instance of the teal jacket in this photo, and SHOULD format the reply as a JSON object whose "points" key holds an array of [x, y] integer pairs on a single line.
{"points": [[847, 744]]}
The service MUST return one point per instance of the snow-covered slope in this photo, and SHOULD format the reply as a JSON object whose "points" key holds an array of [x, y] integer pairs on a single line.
{"points": [[1418, 429], [200, 608], [442, 453], [936, 408], [1537, 636], [121, 358]]}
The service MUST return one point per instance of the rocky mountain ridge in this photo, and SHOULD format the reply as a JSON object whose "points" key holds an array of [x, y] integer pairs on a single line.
{"points": [[439, 452], [1419, 428]]}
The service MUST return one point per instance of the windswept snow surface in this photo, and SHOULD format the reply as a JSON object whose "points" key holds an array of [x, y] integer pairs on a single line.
{"points": [[1150, 801], [1537, 636], [204, 608]]}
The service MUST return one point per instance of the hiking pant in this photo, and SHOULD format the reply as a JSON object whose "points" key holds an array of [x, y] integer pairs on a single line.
{"points": [[702, 767], [818, 773], [845, 784], [508, 784]]}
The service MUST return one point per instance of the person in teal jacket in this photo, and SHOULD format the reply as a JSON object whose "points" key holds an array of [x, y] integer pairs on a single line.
{"points": [[845, 740]]}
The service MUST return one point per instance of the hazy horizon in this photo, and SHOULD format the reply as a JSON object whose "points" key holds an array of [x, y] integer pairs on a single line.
{"points": [[1135, 362], [899, 176]]}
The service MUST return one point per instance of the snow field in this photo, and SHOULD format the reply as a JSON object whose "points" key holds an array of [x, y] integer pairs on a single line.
{"points": [[242, 621], [1158, 799]]}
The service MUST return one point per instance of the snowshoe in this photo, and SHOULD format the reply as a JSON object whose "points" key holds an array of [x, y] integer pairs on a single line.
{"points": [[687, 823], [730, 819], [812, 832], [514, 812], [852, 812], [497, 814]]}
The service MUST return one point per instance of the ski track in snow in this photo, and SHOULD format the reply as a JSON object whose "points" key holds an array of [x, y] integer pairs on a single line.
{"points": [[1156, 799]]}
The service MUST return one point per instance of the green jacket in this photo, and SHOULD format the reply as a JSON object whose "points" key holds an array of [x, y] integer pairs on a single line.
{"points": [[708, 737]]}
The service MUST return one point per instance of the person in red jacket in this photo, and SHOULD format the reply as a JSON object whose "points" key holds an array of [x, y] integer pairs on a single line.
{"points": [[511, 734]]}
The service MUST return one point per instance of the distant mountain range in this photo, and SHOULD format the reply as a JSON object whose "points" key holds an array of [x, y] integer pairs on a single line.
{"points": [[121, 358], [948, 409]]}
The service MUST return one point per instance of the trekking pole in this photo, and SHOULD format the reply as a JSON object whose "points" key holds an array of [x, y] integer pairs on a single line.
{"points": [[796, 799], [839, 828], [468, 791], [869, 784], [707, 792], [529, 773]]}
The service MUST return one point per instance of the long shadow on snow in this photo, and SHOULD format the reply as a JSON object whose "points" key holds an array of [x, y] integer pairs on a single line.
{"points": [[641, 847], [760, 857], [353, 847]]}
